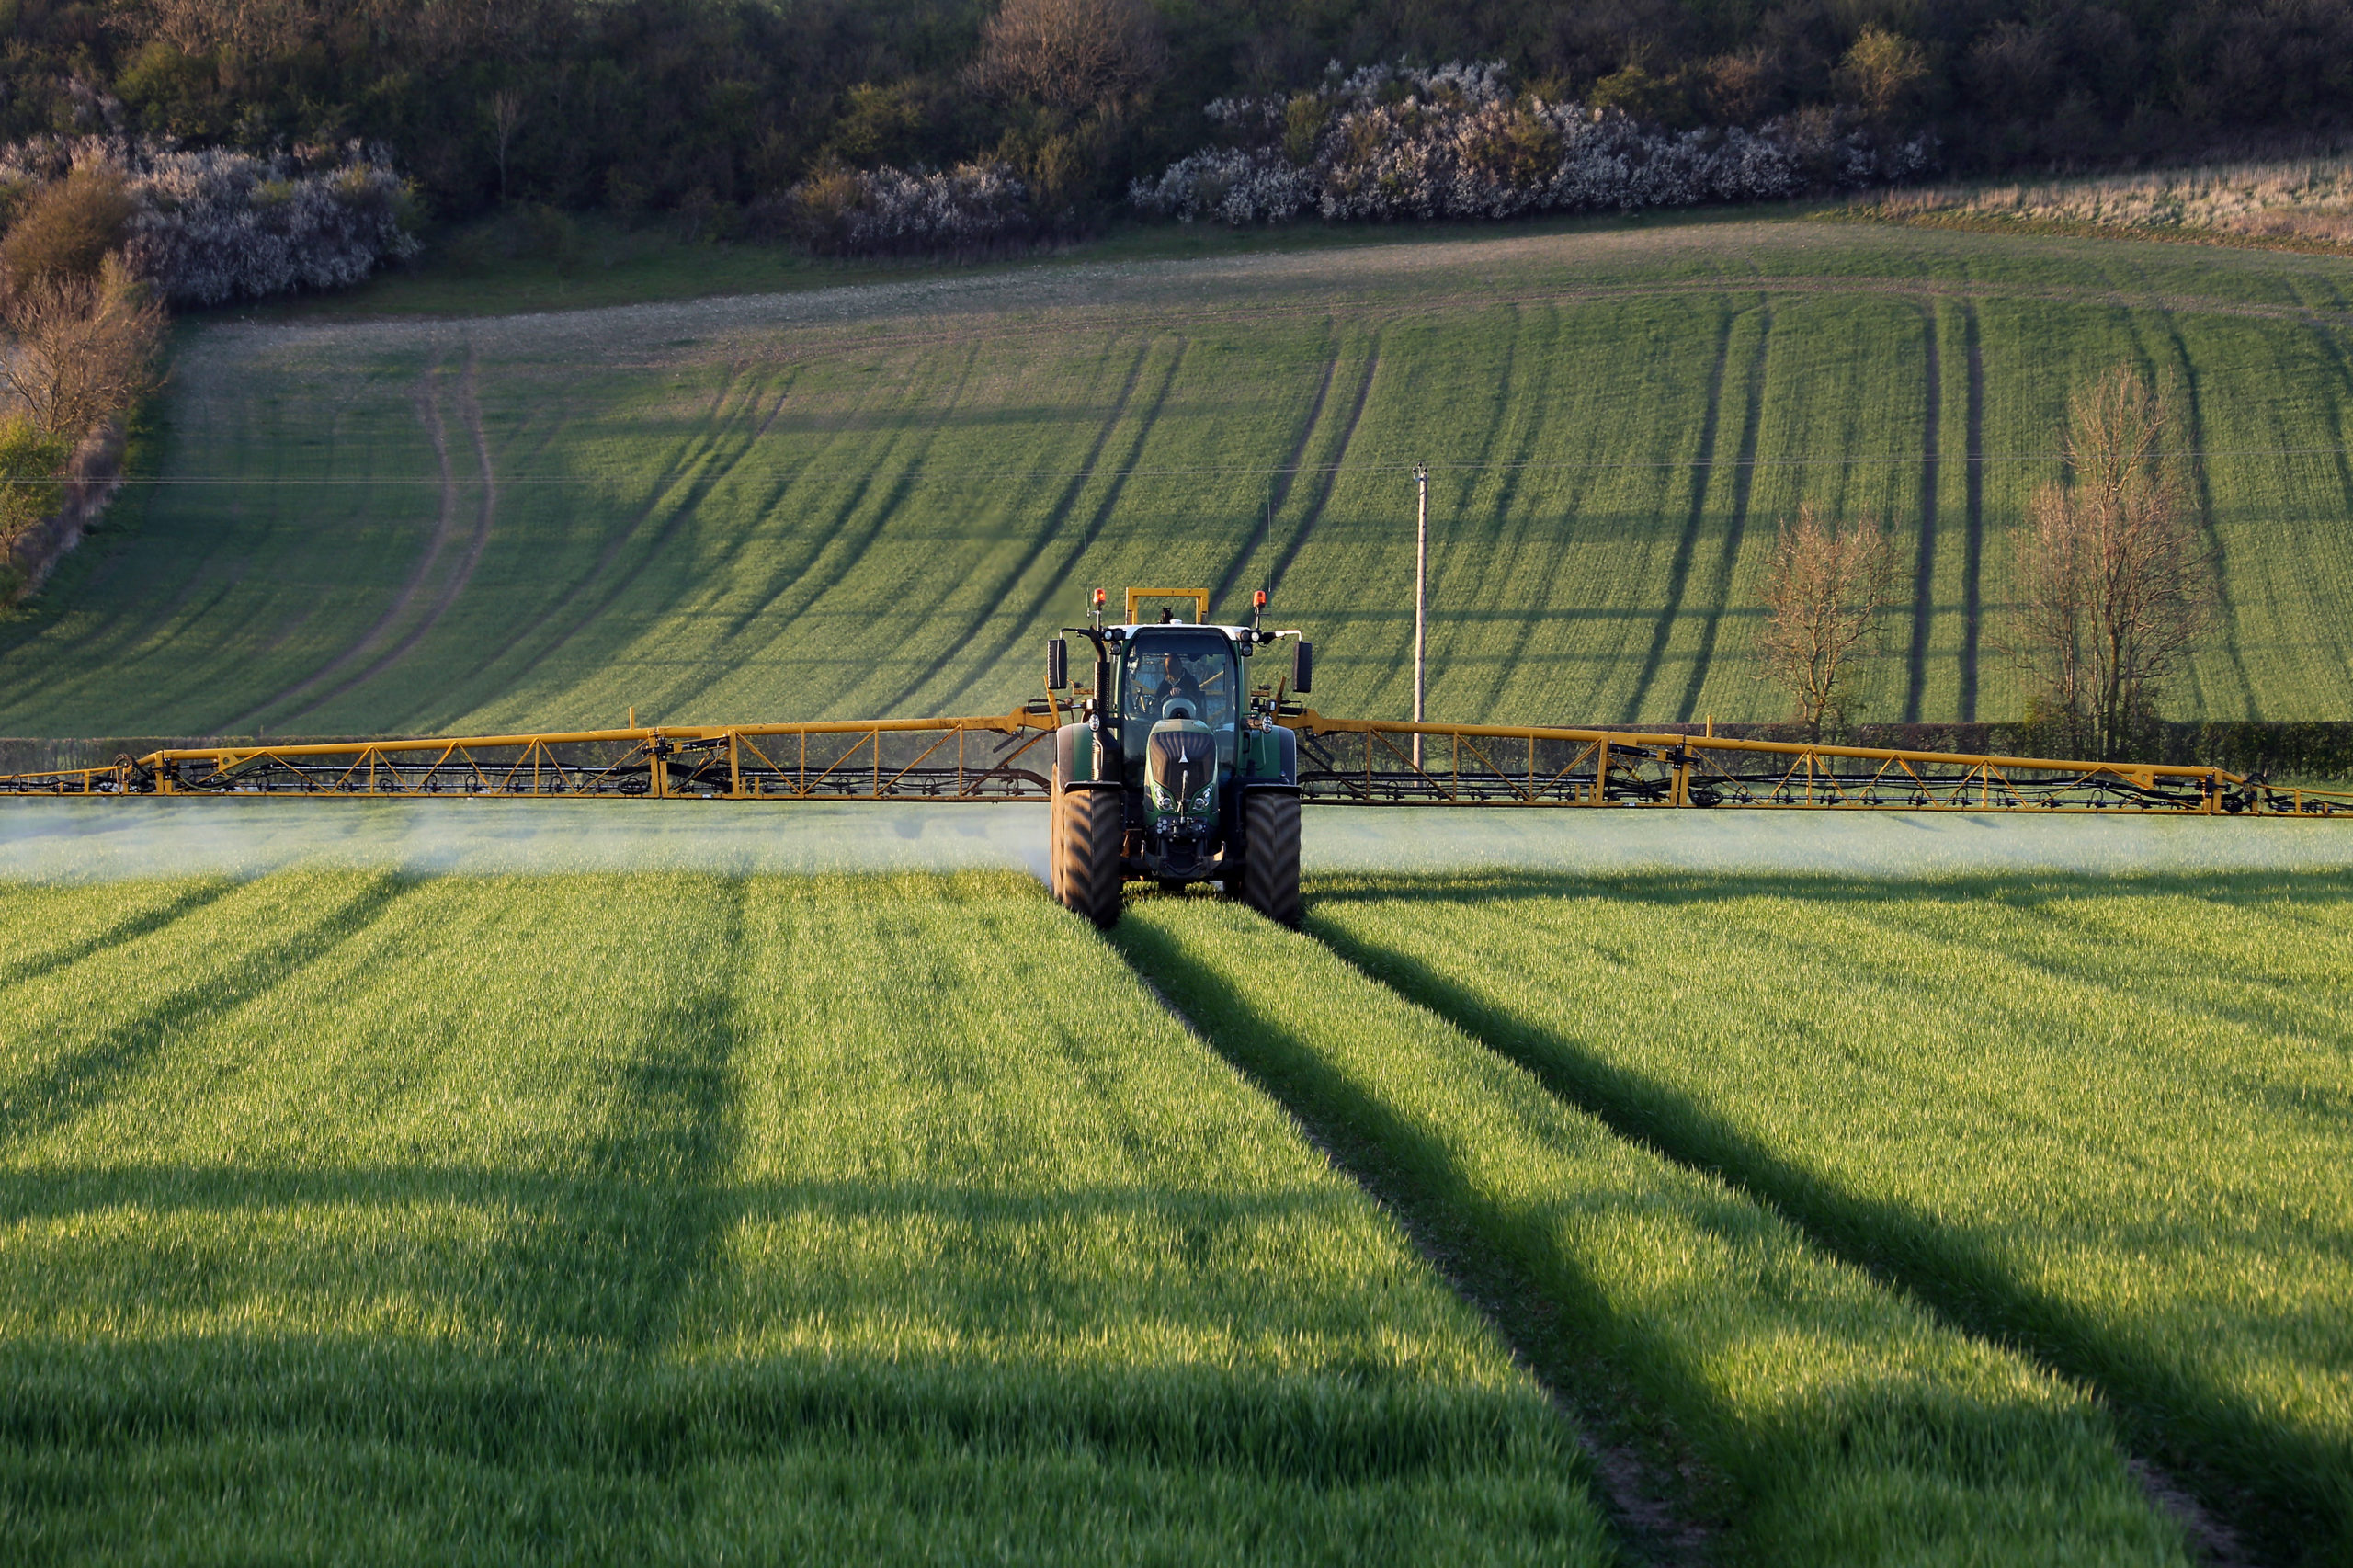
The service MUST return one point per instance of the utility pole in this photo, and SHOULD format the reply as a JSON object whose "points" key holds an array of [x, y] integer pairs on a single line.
{"points": [[1421, 579]]}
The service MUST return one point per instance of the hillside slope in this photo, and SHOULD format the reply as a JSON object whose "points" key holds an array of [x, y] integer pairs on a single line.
{"points": [[881, 499]]}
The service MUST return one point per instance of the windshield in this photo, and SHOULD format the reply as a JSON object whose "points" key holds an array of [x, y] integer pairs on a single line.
{"points": [[1170, 673]]}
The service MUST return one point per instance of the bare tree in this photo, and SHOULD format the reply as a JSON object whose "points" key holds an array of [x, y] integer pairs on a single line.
{"points": [[1070, 54], [2114, 581], [506, 114], [79, 349], [1823, 594]]}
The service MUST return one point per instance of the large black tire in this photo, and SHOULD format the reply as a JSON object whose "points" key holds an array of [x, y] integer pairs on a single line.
{"points": [[1088, 838], [1270, 855]]}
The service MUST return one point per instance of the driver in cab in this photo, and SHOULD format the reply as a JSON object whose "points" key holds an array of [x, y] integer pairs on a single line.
{"points": [[1163, 682]]}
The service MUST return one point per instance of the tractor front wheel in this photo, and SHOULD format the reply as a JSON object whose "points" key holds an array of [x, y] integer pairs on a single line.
{"points": [[1270, 856], [1088, 830]]}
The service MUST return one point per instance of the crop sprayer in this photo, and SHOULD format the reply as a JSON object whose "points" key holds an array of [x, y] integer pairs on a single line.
{"points": [[1172, 765]]}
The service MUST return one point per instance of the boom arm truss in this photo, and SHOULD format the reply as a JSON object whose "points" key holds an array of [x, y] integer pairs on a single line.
{"points": [[1358, 762]]}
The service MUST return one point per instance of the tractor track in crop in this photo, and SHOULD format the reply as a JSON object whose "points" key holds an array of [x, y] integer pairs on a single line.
{"points": [[1620, 1100], [428, 410], [485, 514], [1550, 553], [855, 545], [2226, 614], [1329, 473], [1279, 491], [1924, 568], [1640, 1490], [1744, 482], [694, 452], [1678, 571], [1057, 515], [1095, 523], [727, 560]]}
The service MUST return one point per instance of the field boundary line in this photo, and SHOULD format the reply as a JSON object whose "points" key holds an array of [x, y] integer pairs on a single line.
{"points": [[1378, 309], [1986, 1306]]}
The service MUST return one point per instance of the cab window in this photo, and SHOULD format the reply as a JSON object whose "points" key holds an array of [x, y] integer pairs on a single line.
{"points": [[1181, 672]]}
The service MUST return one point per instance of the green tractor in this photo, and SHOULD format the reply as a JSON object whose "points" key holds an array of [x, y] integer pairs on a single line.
{"points": [[1176, 771]]}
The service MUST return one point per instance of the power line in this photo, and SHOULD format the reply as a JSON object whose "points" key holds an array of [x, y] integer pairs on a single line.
{"points": [[1872, 459]]}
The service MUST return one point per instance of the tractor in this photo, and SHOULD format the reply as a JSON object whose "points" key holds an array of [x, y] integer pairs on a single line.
{"points": [[1176, 770]]}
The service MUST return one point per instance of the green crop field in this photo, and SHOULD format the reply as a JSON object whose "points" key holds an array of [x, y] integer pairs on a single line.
{"points": [[675, 1218], [672, 1216], [879, 499], [642, 1208], [2106, 1123]]}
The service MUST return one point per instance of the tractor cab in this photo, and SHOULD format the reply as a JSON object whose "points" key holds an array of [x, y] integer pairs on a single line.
{"points": [[1175, 772], [1178, 692], [1188, 674]]}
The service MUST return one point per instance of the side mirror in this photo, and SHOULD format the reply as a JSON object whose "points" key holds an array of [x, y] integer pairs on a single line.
{"points": [[1302, 667], [1057, 662]]}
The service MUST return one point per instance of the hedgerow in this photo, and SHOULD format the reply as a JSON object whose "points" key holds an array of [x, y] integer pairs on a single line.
{"points": [[213, 225], [1390, 141]]}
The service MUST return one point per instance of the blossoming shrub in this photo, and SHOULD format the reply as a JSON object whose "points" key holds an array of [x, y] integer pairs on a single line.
{"points": [[1388, 142], [210, 226], [969, 209]]}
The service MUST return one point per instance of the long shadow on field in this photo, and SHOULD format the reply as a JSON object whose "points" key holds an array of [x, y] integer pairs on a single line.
{"points": [[355, 1398], [625, 1234], [1555, 1323], [89, 1071], [2287, 1492], [129, 929], [1011, 1359]]}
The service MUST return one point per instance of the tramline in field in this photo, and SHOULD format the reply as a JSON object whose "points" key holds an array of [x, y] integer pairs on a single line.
{"points": [[1173, 765]]}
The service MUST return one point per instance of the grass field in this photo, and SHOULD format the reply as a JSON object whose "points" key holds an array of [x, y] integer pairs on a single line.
{"points": [[625, 1219], [881, 499], [665, 1215], [1821, 1419], [2106, 1123]]}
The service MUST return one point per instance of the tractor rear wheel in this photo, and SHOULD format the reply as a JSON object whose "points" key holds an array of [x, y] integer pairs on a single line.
{"points": [[1087, 853], [1270, 856]]}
